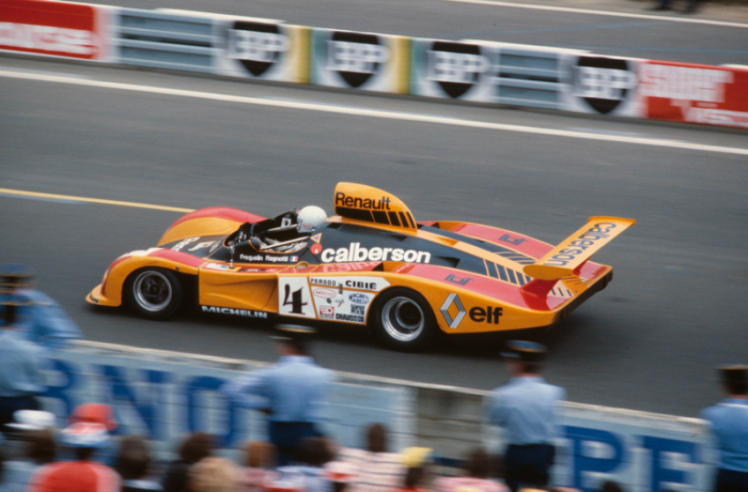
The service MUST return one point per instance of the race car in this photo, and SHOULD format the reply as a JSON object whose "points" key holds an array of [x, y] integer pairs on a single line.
{"points": [[371, 264]]}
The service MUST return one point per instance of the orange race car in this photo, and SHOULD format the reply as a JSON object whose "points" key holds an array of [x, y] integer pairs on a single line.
{"points": [[371, 264]]}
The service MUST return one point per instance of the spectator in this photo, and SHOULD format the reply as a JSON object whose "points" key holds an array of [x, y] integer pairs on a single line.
{"points": [[83, 474], [415, 460], [729, 422], [40, 447], [213, 475], [692, 6], [292, 392], [527, 409], [378, 470], [475, 477], [611, 486], [98, 413], [341, 474], [21, 377], [194, 448], [133, 464], [260, 457], [40, 318], [313, 456]]}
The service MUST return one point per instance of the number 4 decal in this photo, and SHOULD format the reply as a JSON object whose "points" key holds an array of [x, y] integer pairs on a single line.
{"points": [[294, 297]]}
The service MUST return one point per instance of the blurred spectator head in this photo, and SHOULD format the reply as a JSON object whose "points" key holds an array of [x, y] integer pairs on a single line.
{"points": [[293, 339], [340, 474], [134, 458], [524, 357], [32, 420], [196, 447], [315, 452], [85, 438], [416, 460], [15, 276], [213, 474], [610, 486], [734, 379], [259, 454], [376, 438], [94, 413], [478, 463], [10, 313], [41, 447]]}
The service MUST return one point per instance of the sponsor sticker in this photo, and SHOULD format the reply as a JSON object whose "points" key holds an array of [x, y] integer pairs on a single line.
{"points": [[353, 318], [324, 293], [356, 57], [246, 313], [357, 298], [257, 46], [374, 284], [456, 67], [356, 253], [604, 84], [326, 312]]}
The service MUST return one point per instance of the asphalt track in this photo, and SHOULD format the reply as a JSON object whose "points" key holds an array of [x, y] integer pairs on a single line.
{"points": [[675, 308]]}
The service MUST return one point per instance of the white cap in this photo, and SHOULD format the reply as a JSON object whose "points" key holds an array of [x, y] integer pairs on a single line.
{"points": [[32, 420], [309, 218]]}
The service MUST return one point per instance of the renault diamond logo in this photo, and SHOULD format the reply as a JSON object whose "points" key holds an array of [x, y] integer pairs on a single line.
{"points": [[453, 315]]}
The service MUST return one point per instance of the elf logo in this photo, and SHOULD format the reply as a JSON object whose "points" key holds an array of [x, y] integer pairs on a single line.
{"points": [[456, 67], [603, 83], [256, 45], [356, 57], [354, 252], [489, 315]]}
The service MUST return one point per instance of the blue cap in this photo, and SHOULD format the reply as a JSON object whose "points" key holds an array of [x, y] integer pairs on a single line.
{"points": [[15, 274], [524, 351]]}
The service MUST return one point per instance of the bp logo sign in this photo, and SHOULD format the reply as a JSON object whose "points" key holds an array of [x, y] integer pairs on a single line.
{"points": [[455, 67], [256, 45], [355, 57], [603, 83]]}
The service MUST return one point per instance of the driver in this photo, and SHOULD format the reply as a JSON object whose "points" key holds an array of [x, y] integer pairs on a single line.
{"points": [[308, 219]]}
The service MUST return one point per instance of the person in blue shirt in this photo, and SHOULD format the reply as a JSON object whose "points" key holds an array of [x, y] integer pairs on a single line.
{"points": [[729, 422], [21, 377], [293, 392], [528, 410], [40, 318]]}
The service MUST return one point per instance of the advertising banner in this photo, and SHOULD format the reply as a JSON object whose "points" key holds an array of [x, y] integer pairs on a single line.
{"points": [[702, 94], [54, 28], [452, 70], [259, 49], [356, 60], [601, 85]]}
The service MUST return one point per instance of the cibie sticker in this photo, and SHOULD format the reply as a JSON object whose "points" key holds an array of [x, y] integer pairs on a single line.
{"points": [[374, 284]]}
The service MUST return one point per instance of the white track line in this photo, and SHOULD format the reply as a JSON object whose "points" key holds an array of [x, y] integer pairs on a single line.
{"points": [[372, 113], [572, 10]]}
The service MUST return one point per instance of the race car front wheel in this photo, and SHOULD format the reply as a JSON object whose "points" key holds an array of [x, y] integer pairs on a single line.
{"points": [[154, 293], [403, 319]]}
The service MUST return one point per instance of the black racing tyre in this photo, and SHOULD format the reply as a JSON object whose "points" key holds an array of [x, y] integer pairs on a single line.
{"points": [[403, 320], [154, 293]]}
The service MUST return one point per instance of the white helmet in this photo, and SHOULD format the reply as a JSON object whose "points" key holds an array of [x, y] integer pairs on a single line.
{"points": [[309, 218]]}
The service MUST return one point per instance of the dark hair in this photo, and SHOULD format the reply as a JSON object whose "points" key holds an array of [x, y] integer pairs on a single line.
{"points": [[413, 477], [195, 447], [314, 451], [736, 386], [478, 463], [84, 454], [41, 447], [134, 458], [376, 438], [259, 454], [10, 315], [611, 486]]}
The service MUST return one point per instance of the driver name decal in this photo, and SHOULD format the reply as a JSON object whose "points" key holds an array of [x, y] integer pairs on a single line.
{"points": [[354, 252]]}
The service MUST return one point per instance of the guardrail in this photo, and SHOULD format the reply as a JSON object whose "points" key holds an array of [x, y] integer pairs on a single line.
{"points": [[163, 395], [474, 70]]}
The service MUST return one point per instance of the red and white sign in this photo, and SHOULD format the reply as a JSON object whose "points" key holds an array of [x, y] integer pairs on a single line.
{"points": [[704, 94], [53, 28]]}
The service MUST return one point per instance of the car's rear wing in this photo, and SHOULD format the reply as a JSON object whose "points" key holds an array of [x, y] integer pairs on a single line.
{"points": [[573, 251]]}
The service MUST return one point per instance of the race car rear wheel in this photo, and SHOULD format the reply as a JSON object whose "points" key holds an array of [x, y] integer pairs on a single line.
{"points": [[403, 319], [154, 293]]}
